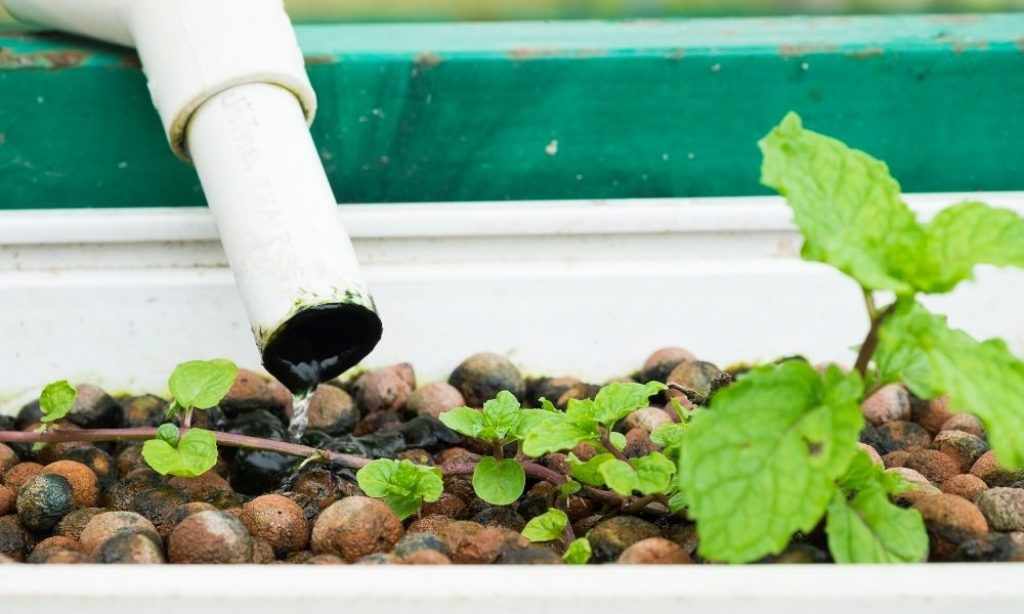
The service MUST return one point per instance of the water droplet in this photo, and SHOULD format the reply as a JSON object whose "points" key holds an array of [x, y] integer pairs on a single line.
{"points": [[300, 414]]}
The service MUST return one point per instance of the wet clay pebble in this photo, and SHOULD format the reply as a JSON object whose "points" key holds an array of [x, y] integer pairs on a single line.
{"points": [[932, 464], [278, 520], [325, 559], [158, 505], [550, 388], [486, 545], [384, 389], [902, 435], [932, 414], [950, 520], [208, 487], [252, 390], [185, 510], [991, 548], [15, 540], [482, 376], [355, 527], [143, 410], [500, 516], [84, 484], [209, 537], [987, 468], [647, 418], [961, 446], [108, 524], [426, 557], [661, 362], [95, 409], [413, 542], [696, 375], [638, 443], [43, 501], [530, 555], [320, 486], [896, 458], [74, 523], [58, 541], [16, 476], [964, 422], [377, 422], [379, 558], [611, 537], [262, 551], [1003, 508], [132, 549], [434, 399], [922, 487], [965, 485], [98, 461], [872, 454], [888, 403], [332, 411], [8, 458], [7, 498], [654, 551], [129, 459]]}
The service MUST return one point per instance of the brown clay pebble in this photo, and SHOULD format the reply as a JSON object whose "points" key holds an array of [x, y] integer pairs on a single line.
{"points": [[108, 524], [902, 435], [262, 551], [888, 403], [696, 375], [965, 485], [961, 446], [1003, 508], [16, 476], [872, 454], [660, 363], [43, 501], [7, 499], [325, 559], [922, 487], [58, 542], [8, 458], [932, 464], [15, 540], [987, 467], [950, 521], [434, 399], [252, 390], [57, 556], [384, 389], [278, 520], [638, 443], [132, 549], [84, 484], [332, 411], [647, 418], [654, 551], [611, 537], [74, 523], [482, 376], [426, 557], [209, 537], [933, 414], [486, 545], [965, 422], [896, 458], [355, 527]]}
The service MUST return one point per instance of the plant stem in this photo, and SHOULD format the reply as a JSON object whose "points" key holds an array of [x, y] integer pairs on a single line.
{"points": [[606, 441], [638, 504], [869, 302], [532, 469], [867, 349]]}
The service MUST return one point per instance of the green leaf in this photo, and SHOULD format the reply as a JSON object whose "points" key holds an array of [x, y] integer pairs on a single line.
{"points": [[499, 482], [589, 472], [761, 463], [677, 501], [618, 440], [169, 433], [464, 420], [571, 487], [651, 474], [546, 527], [863, 526], [201, 384], [846, 205], [530, 419], [619, 399], [195, 454], [555, 434], [669, 437], [965, 235], [403, 485], [578, 552], [501, 416], [984, 378], [57, 400]]}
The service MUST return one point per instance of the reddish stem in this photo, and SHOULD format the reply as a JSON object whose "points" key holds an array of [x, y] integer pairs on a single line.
{"points": [[532, 469]]}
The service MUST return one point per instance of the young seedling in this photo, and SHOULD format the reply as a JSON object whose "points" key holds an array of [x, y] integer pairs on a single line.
{"points": [[776, 451], [553, 525], [403, 485]]}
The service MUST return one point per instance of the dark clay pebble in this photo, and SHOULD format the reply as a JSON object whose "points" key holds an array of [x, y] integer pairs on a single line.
{"points": [[482, 376], [611, 537], [44, 500]]}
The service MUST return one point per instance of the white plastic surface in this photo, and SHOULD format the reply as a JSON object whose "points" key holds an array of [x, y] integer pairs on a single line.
{"points": [[272, 204]]}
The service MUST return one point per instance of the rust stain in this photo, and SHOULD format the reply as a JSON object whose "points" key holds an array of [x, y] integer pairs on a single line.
{"points": [[677, 54], [1020, 44], [533, 54], [130, 60], [954, 19], [428, 60], [51, 60], [966, 45], [796, 51], [865, 53], [311, 60]]}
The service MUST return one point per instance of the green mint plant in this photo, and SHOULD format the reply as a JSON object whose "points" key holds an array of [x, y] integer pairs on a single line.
{"points": [[553, 525], [56, 401], [196, 384], [776, 452], [403, 485]]}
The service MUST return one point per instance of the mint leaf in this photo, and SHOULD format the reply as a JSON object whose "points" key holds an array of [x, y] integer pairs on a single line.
{"points": [[677, 501], [201, 384], [403, 485], [530, 419], [651, 474], [578, 552], [669, 437], [618, 440], [57, 400], [195, 454], [464, 420], [589, 472], [571, 487], [555, 434], [846, 205], [546, 527], [965, 235], [761, 463], [498, 482], [863, 526], [169, 433], [619, 399], [501, 416], [982, 377]]}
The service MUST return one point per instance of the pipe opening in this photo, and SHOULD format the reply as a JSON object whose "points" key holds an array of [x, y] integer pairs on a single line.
{"points": [[321, 343]]}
